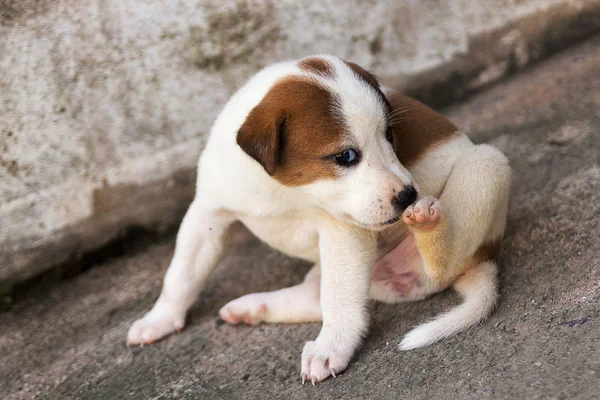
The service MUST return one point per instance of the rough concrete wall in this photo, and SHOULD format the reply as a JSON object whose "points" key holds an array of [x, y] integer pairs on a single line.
{"points": [[105, 104]]}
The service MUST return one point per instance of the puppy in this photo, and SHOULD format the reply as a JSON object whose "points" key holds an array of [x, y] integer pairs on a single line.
{"points": [[385, 196]]}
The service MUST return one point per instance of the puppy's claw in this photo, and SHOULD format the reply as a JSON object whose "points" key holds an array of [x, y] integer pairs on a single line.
{"points": [[320, 362]]}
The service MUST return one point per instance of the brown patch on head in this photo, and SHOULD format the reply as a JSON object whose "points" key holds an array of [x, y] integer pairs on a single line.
{"points": [[292, 131], [318, 66], [416, 128]]}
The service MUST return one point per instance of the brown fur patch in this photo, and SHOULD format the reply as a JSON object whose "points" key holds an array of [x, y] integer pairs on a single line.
{"points": [[317, 66], [293, 131], [488, 251], [416, 128]]}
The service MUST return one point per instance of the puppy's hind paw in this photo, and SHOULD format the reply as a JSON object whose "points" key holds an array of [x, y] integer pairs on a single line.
{"points": [[248, 309], [425, 213]]}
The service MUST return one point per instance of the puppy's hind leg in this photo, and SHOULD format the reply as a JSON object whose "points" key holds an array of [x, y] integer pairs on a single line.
{"points": [[295, 304], [470, 212], [198, 250], [460, 234]]}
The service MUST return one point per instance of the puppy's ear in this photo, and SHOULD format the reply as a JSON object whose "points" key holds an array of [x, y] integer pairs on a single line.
{"points": [[419, 129], [260, 136]]}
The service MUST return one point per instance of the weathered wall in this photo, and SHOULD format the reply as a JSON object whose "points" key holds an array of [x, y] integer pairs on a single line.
{"points": [[105, 104]]}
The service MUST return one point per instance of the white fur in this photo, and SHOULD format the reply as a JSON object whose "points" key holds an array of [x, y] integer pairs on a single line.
{"points": [[474, 200], [332, 223], [478, 287]]}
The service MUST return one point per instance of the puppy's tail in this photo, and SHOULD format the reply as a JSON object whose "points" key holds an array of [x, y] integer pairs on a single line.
{"points": [[479, 288]]}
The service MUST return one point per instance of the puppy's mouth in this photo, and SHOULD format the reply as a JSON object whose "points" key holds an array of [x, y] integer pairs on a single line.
{"points": [[392, 221], [377, 225]]}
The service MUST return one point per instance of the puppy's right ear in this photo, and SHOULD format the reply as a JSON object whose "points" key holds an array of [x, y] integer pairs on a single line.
{"points": [[260, 135]]}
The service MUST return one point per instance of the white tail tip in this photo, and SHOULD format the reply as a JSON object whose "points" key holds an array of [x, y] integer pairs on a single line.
{"points": [[479, 289]]}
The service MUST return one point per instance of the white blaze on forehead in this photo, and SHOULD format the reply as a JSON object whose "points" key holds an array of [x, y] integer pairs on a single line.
{"points": [[363, 113], [361, 107], [362, 193]]}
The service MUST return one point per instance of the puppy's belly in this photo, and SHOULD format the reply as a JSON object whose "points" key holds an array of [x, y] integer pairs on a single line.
{"points": [[400, 267], [399, 275], [296, 237]]}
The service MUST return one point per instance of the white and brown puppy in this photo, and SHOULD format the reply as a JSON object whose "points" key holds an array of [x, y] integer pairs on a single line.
{"points": [[383, 195]]}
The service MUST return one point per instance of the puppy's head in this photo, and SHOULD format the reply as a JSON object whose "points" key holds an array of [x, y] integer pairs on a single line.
{"points": [[326, 131]]}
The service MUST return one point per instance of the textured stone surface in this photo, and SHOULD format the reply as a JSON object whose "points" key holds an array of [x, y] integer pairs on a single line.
{"points": [[62, 340], [105, 104]]}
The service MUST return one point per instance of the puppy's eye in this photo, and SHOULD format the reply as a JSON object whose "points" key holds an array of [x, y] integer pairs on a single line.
{"points": [[346, 158], [388, 135]]}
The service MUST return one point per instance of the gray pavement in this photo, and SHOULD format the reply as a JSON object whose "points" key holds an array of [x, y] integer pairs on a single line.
{"points": [[66, 339]]}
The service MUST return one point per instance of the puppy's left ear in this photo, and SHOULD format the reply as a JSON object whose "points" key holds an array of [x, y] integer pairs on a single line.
{"points": [[260, 136]]}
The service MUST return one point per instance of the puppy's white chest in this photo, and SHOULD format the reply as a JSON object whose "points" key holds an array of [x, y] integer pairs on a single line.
{"points": [[294, 236]]}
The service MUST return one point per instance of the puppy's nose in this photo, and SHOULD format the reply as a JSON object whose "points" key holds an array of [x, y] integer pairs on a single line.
{"points": [[405, 198]]}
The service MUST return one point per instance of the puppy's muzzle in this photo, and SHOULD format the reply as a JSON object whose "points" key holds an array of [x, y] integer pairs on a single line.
{"points": [[404, 198]]}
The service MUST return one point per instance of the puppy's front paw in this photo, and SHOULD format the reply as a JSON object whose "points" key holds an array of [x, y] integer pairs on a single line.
{"points": [[425, 213], [153, 326], [319, 361], [249, 309]]}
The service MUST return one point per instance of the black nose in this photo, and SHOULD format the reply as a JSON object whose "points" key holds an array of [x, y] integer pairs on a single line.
{"points": [[405, 198]]}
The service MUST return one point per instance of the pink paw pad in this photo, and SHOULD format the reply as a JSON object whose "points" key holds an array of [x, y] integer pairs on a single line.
{"points": [[423, 214], [231, 316]]}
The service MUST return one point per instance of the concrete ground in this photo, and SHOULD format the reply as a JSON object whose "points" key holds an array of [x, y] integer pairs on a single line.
{"points": [[66, 339]]}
